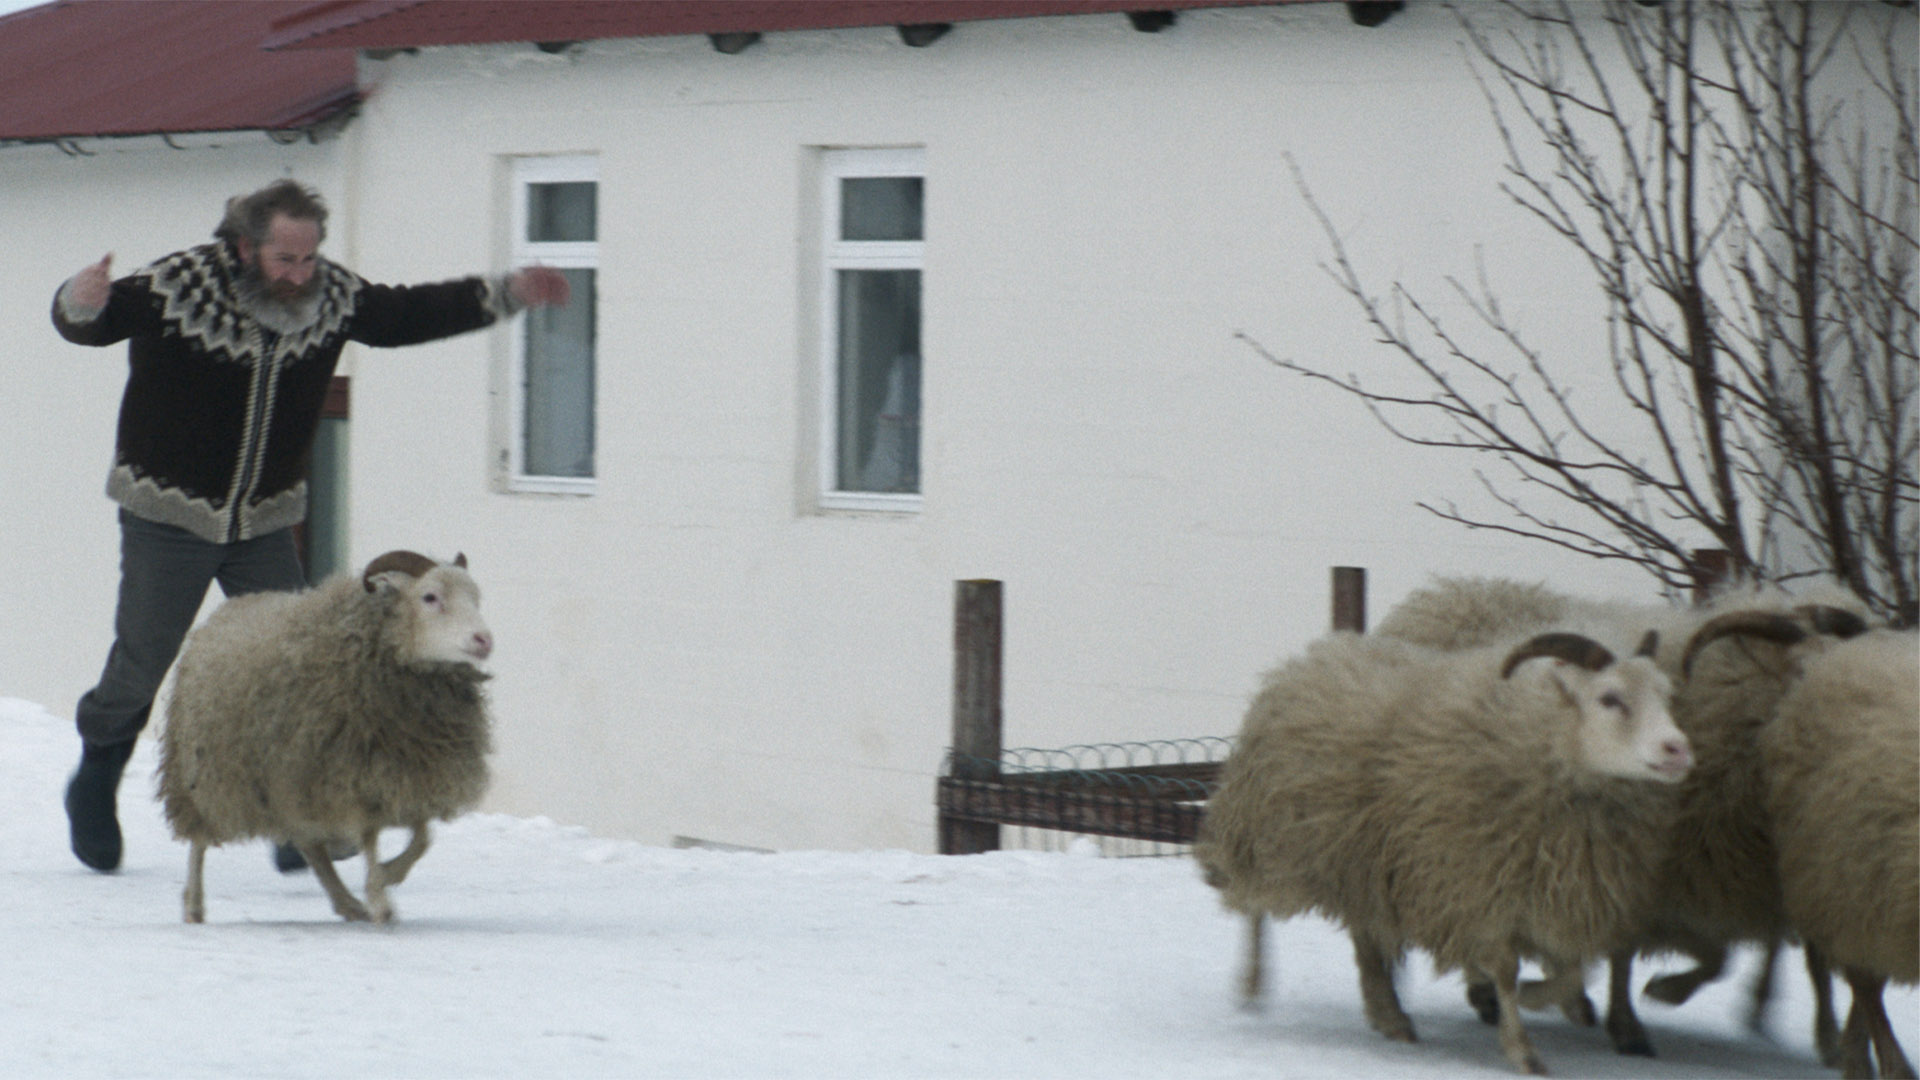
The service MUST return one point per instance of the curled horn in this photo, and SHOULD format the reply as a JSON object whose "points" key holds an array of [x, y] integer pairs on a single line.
{"points": [[1768, 625], [1573, 648], [1833, 621], [411, 563]]}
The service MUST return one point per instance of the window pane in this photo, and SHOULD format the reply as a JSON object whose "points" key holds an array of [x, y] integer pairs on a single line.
{"points": [[879, 381], [881, 208], [562, 212], [559, 384]]}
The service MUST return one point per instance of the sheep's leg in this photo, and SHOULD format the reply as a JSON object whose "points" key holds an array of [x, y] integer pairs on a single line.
{"points": [[1760, 994], [1513, 1036], [194, 902], [1565, 985], [1382, 1003], [344, 903], [398, 867], [1867, 1026], [1623, 1024], [1253, 961], [1826, 1023], [1710, 959], [378, 905]]}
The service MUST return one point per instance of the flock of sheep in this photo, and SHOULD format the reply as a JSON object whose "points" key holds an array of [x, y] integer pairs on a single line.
{"points": [[1503, 774], [1500, 774]]}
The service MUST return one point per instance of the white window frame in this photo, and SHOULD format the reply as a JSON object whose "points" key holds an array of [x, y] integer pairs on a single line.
{"points": [[838, 255], [527, 171]]}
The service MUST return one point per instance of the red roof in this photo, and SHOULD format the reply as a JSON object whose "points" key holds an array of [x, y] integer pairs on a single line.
{"points": [[139, 67], [89, 68], [396, 24]]}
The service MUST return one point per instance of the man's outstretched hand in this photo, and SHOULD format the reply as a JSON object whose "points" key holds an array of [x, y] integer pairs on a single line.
{"points": [[535, 286], [88, 289]]}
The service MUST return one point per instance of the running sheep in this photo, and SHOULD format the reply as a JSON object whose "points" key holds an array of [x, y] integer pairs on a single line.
{"points": [[1842, 758], [320, 718], [1720, 884], [1487, 806]]}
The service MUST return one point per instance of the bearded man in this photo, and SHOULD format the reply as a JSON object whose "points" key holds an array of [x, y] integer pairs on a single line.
{"points": [[231, 347]]}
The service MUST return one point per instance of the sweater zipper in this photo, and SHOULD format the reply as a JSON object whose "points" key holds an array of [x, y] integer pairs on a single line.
{"points": [[253, 445]]}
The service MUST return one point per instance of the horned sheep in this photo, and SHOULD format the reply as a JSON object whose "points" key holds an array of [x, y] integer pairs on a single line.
{"points": [[1720, 884], [320, 718], [1478, 805], [1842, 758]]}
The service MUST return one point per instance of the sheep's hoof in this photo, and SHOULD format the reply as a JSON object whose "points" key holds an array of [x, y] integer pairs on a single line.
{"points": [[353, 911], [1526, 1061], [1579, 1010], [1629, 1038], [1397, 1028], [193, 916]]}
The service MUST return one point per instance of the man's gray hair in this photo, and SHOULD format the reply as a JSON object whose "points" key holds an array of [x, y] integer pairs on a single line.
{"points": [[249, 215]]}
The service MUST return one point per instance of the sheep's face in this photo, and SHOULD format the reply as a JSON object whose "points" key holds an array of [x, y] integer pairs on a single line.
{"points": [[1623, 727], [441, 616]]}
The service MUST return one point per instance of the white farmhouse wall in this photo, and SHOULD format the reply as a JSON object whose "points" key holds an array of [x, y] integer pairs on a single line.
{"points": [[693, 650], [59, 542]]}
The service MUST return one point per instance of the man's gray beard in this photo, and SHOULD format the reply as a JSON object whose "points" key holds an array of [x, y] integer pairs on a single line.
{"points": [[282, 315]]}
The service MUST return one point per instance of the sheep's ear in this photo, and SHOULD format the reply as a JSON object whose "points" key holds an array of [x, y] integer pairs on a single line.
{"points": [[460, 560]]}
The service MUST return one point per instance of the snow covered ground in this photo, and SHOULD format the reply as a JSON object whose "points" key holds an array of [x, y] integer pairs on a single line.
{"points": [[529, 949]]}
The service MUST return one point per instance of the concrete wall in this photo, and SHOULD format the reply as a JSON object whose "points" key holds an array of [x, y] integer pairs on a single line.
{"points": [[59, 545], [693, 650]]}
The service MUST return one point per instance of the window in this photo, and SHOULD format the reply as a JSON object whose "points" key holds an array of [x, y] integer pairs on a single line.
{"points": [[555, 223], [873, 244]]}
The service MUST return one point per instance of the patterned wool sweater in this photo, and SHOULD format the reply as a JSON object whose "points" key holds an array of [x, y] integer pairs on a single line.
{"points": [[218, 419]]}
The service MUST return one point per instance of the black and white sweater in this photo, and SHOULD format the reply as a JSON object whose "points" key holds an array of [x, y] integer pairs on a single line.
{"points": [[218, 419]]}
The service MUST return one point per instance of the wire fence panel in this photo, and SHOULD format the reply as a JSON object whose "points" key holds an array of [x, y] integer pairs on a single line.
{"points": [[1127, 799]]}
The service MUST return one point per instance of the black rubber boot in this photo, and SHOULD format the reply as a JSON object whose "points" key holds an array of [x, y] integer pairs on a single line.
{"points": [[92, 815]]}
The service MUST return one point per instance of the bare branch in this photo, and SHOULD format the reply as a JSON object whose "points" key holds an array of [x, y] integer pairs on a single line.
{"points": [[1742, 182]]}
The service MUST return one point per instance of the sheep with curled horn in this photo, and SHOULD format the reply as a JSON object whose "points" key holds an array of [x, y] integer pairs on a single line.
{"points": [[1488, 806], [1720, 886], [322, 717], [1842, 760]]}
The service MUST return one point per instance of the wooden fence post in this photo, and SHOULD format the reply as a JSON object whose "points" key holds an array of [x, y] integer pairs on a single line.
{"points": [[976, 707], [1710, 568], [1350, 598]]}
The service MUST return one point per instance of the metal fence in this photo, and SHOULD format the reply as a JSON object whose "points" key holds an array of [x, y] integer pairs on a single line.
{"points": [[1122, 799], [1142, 798]]}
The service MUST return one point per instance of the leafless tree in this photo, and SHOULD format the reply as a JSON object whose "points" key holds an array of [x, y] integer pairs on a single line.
{"points": [[1741, 180]]}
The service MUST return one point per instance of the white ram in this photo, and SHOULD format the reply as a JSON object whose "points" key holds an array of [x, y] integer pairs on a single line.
{"points": [[1487, 806], [1842, 758], [320, 718], [1720, 884]]}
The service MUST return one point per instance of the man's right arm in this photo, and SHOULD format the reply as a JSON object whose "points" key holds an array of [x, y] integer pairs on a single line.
{"points": [[81, 303]]}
